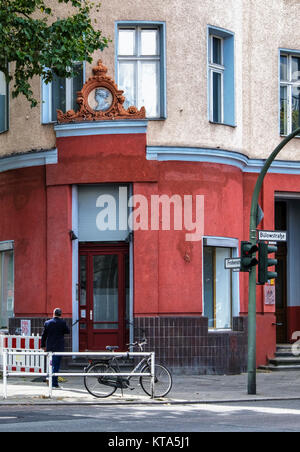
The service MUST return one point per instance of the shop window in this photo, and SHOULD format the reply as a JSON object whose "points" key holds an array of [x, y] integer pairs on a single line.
{"points": [[61, 94], [220, 286], [3, 103], [6, 287], [221, 90], [289, 92], [141, 66]]}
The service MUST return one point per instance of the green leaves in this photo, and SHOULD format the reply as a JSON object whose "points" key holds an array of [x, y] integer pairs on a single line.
{"points": [[38, 46]]}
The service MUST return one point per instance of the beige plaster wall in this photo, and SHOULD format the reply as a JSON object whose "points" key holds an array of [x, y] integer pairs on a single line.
{"points": [[261, 27]]}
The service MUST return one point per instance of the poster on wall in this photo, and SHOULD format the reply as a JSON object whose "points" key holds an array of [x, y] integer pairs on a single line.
{"points": [[270, 294], [26, 327]]}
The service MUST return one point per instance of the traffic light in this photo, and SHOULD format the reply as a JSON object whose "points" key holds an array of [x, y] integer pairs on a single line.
{"points": [[247, 259], [264, 262]]}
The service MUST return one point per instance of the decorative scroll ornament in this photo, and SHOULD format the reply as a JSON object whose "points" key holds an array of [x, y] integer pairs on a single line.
{"points": [[100, 99]]}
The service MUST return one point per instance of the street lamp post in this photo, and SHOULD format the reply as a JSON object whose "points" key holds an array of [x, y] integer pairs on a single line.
{"points": [[252, 273]]}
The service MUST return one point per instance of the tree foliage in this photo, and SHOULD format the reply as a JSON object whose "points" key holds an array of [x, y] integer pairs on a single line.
{"points": [[35, 43]]}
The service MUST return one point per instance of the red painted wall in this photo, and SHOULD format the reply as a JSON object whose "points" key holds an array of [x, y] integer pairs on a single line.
{"points": [[36, 210]]}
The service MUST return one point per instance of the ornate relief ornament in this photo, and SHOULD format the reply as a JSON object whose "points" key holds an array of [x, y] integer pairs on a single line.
{"points": [[100, 99]]}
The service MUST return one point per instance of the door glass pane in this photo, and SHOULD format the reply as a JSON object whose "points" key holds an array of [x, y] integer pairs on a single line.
{"points": [[6, 287], [77, 84], [127, 82], [217, 100], [149, 42], [223, 289], [127, 42], [106, 292], [82, 264], [148, 94], [209, 285], [127, 289], [3, 103], [283, 68], [217, 51], [283, 111], [58, 96]]}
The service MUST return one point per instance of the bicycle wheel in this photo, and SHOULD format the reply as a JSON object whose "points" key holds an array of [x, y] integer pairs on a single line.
{"points": [[101, 386], [162, 384]]}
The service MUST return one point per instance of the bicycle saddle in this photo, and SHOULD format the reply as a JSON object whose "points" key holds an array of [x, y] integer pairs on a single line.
{"points": [[111, 348]]}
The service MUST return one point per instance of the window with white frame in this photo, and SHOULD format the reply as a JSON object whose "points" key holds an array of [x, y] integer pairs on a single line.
{"points": [[140, 67], [6, 286], [61, 94], [221, 76], [3, 103], [220, 286], [289, 92]]}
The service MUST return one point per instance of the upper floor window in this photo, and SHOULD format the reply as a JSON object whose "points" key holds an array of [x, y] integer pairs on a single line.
{"points": [[221, 76], [3, 103], [141, 68], [289, 92], [61, 94]]}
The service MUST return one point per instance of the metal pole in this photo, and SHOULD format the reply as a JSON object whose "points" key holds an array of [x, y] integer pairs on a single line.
{"points": [[252, 274], [4, 374], [152, 375], [50, 372]]}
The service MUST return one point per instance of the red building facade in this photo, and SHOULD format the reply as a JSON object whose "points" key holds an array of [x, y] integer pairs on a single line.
{"points": [[111, 288]]}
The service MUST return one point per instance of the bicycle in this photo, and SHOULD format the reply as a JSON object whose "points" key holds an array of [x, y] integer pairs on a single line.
{"points": [[102, 386]]}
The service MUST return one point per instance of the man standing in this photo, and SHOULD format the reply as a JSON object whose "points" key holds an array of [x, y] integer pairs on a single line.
{"points": [[53, 340]]}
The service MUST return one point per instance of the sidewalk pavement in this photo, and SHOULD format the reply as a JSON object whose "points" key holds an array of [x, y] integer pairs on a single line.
{"points": [[186, 389]]}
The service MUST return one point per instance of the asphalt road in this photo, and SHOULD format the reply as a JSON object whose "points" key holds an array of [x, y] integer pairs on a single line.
{"points": [[173, 419]]}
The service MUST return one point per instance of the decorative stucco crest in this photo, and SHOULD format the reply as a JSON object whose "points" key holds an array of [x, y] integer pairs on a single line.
{"points": [[100, 99]]}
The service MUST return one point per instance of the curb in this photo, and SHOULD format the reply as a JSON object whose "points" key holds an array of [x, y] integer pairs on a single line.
{"points": [[151, 403]]}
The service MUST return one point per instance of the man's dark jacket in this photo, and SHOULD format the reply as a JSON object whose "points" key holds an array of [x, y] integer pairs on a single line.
{"points": [[53, 335]]}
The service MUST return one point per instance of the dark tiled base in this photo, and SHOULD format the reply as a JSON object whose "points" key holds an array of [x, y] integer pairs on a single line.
{"points": [[37, 325], [185, 345]]}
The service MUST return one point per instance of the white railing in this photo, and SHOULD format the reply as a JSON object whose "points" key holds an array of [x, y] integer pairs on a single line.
{"points": [[6, 354], [32, 362]]}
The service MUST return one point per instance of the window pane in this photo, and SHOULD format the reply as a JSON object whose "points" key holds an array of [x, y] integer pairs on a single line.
{"points": [[83, 270], [3, 103], [149, 44], [209, 285], [6, 287], [216, 51], [223, 289], [217, 99], [58, 96], [127, 77], [283, 67], [106, 293], [148, 88], [283, 111], [77, 84], [295, 107], [295, 69], [127, 42]]}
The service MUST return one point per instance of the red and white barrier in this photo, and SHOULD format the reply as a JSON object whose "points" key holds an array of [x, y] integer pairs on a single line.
{"points": [[23, 363]]}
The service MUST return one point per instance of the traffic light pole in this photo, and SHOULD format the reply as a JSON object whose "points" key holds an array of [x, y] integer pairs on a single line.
{"points": [[252, 273]]}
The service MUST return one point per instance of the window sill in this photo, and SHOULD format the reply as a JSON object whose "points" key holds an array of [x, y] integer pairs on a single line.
{"points": [[221, 330], [284, 136], [233, 126]]}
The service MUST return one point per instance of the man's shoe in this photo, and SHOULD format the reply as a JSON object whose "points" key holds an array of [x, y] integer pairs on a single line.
{"points": [[56, 387]]}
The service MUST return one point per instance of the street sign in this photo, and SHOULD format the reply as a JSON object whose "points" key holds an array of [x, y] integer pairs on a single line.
{"points": [[233, 264], [272, 236]]}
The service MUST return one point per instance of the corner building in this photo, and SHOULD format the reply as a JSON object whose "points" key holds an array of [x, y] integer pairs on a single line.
{"points": [[221, 87]]}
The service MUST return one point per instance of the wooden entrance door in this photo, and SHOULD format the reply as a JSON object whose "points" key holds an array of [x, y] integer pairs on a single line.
{"points": [[104, 289]]}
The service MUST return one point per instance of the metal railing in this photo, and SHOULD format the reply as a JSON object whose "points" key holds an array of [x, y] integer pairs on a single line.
{"points": [[50, 374]]}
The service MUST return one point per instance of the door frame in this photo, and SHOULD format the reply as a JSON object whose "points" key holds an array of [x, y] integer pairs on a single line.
{"points": [[94, 249]]}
